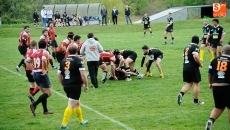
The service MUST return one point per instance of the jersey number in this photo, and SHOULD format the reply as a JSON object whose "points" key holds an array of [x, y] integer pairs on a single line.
{"points": [[37, 62], [222, 66], [67, 72]]}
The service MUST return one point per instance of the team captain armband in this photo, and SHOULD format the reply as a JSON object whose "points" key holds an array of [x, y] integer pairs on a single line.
{"points": [[210, 72]]}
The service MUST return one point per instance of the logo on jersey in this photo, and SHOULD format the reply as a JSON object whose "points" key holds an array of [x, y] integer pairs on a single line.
{"points": [[92, 48], [219, 10]]}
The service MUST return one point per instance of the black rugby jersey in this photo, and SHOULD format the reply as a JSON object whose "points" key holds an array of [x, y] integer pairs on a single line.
{"points": [[189, 51], [70, 70], [220, 69]]}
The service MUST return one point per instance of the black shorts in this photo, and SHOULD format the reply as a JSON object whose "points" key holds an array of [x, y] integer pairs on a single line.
{"points": [[22, 50], [73, 92], [42, 81], [169, 29], [35, 20], [191, 75], [133, 56], [101, 62], [160, 57], [54, 44], [215, 45], [221, 95], [60, 56], [146, 26], [29, 76]]}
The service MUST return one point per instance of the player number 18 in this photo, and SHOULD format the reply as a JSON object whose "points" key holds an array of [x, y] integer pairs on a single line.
{"points": [[222, 66]]}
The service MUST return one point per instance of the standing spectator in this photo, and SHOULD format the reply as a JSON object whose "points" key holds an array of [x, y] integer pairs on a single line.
{"points": [[35, 16], [57, 18], [191, 72], [43, 15], [49, 15], [104, 15], [114, 15], [127, 15], [75, 18], [219, 75], [92, 48]]}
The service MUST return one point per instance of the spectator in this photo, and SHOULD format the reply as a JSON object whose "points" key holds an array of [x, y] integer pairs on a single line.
{"points": [[35, 16], [127, 15], [104, 15], [75, 18], [57, 18], [114, 15], [65, 19], [43, 15], [92, 48], [49, 15]]}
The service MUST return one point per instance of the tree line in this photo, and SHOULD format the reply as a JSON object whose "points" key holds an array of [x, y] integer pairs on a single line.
{"points": [[16, 11]]}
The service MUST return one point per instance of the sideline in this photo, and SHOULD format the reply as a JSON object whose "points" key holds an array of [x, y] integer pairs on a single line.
{"points": [[85, 106]]}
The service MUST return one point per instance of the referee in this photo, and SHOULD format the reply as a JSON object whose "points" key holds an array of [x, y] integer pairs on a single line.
{"points": [[92, 48], [71, 75], [219, 75]]}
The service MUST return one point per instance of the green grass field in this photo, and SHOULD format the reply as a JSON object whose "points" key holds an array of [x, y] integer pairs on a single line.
{"points": [[143, 104]]}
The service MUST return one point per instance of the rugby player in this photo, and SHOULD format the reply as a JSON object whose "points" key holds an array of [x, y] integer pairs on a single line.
{"points": [[24, 43], [154, 55], [169, 28], [146, 23]]}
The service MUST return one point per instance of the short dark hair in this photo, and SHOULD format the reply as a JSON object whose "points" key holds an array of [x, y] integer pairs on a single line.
{"points": [[116, 52], [96, 38], [42, 44], [44, 30], [76, 37], [70, 35], [195, 39], [145, 47], [26, 27], [90, 35], [216, 20], [229, 43], [72, 50]]}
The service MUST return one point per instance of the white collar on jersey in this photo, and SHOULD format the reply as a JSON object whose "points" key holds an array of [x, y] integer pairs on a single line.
{"points": [[225, 55], [216, 26]]}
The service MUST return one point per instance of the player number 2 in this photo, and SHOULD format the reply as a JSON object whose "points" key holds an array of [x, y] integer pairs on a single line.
{"points": [[67, 65], [222, 66]]}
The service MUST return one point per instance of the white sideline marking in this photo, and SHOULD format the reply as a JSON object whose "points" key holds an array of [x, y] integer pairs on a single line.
{"points": [[85, 106]]}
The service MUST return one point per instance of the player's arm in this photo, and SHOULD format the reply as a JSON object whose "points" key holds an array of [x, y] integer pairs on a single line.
{"points": [[100, 47], [28, 63], [150, 62], [112, 64], [82, 50], [208, 36], [60, 78], [83, 75], [121, 62], [45, 58], [210, 73], [195, 54], [142, 61], [24, 40], [222, 36]]}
